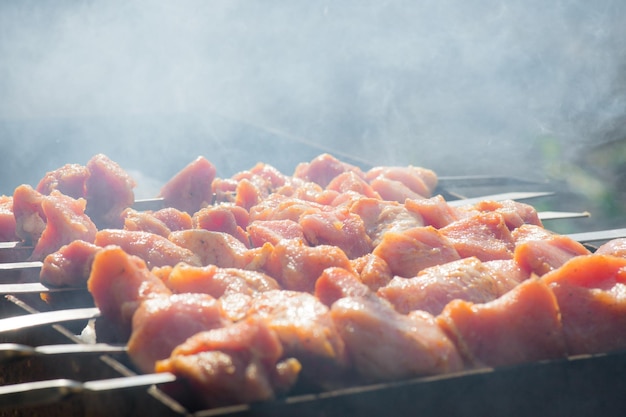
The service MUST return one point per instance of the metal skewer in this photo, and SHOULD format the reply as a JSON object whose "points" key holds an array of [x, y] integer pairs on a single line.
{"points": [[49, 317], [51, 391], [11, 351]]}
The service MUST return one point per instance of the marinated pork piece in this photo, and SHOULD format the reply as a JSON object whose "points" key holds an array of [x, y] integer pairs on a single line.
{"points": [[247, 194], [338, 228], [279, 207], [70, 180], [247, 188], [484, 236], [529, 232], [155, 250], [336, 283], [523, 325], [615, 247], [401, 183], [514, 213], [49, 222], [350, 181], [70, 265], [273, 231], [591, 293], [507, 273], [30, 220], [144, 221], [540, 254], [434, 211], [66, 221], [264, 176], [254, 185], [174, 219], [7, 220], [305, 329], [380, 217], [226, 218], [421, 181], [384, 345], [240, 363], [119, 283], [220, 249], [300, 189], [191, 188], [108, 191], [412, 250], [296, 266], [372, 270], [214, 281], [323, 169], [235, 305], [162, 323], [434, 287]]}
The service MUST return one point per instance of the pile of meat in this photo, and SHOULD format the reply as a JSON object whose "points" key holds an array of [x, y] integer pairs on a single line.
{"points": [[245, 286]]}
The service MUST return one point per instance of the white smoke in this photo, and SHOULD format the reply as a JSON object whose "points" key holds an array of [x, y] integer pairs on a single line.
{"points": [[458, 86]]}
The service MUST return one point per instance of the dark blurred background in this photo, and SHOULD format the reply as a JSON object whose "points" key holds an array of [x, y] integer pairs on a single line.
{"points": [[530, 89]]}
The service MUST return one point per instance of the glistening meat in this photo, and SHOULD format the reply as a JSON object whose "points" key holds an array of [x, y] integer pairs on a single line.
{"points": [[331, 276]]}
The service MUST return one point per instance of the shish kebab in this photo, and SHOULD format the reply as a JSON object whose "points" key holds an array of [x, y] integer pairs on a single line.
{"points": [[151, 204]]}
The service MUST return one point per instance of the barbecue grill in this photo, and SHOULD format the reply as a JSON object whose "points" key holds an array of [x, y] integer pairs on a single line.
{"points": [[422, 104], [512, 391]]}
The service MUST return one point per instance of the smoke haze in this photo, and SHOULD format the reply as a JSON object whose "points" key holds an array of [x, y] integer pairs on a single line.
{"points": [[463, 87]]}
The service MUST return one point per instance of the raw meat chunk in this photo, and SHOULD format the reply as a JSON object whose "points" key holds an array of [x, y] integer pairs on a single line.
{"points": [[350, 182], [336, 283], [338, 228], [191, 188], [155, 250], [412, 250], [514, 213], [385, 345], [145, 222], [214, 281], [400, 183], [484, 236], [273, 231], [372, 270], [119, 282], [108, 191], [434, 211], [49, 222], [297, 267], [226, 218], [174, 219], [380, 217], [240, 363], [304, 327], [7, 220], [323, 169], [70, 265], [162, 323], [541, 254], [521, 326], [70, 180], [30, 220], [591, 292], [220, 249], [615, 247], [434, 287]]}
